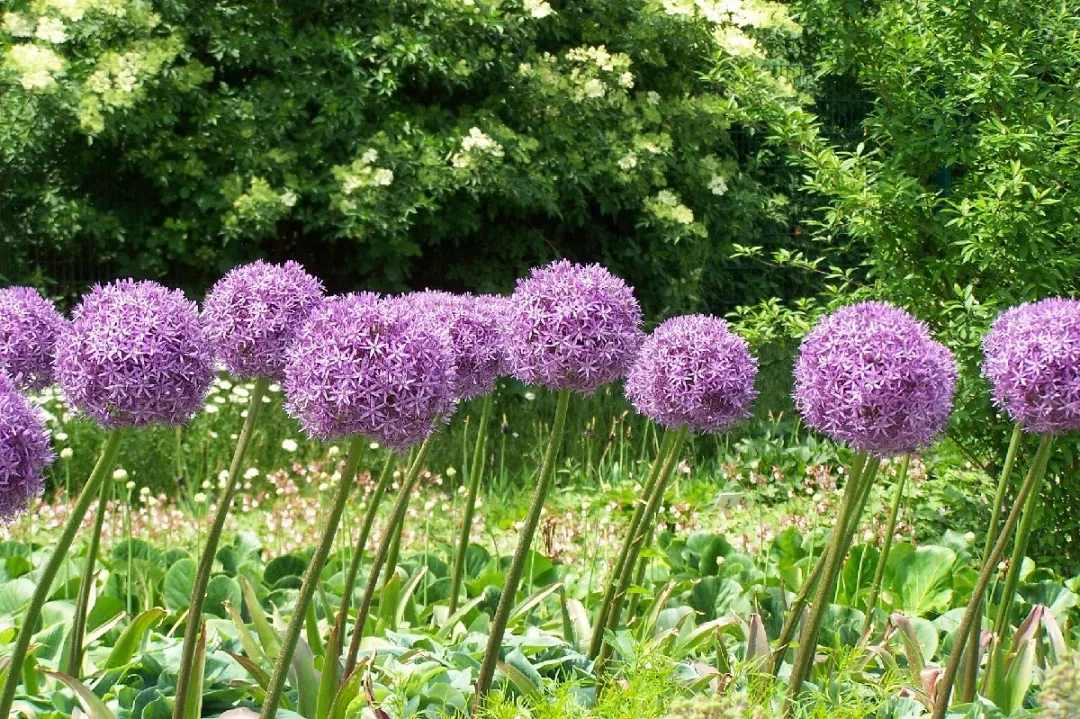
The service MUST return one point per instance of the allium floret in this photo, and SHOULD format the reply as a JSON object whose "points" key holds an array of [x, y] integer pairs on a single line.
{"points": [[573, 327], [24, 451], [1031, 355], [29, 328], [252, 314], [471, 328], [361, 365], [693, 371], [871, 375], [135, 354]]}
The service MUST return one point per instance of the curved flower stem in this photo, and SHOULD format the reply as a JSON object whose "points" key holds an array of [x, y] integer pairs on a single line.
{"points": [[41, 593], [276, 687], [521, 553], [883, 558], [475, 473], [397, 517], [1030, 485], [597, 639], [794, 615], [971, 660], [656, 496], [73, 659], [209, 553], [361, 542], [854, 497]]}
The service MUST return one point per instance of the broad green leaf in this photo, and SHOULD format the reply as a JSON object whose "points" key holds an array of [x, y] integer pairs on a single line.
{"points": [[91, 703], [220, 590], [922, 581], [132, 636], [178, 582]]}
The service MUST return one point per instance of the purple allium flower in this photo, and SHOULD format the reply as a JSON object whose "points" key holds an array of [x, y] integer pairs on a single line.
{"points": [[135, 355], [29, 328], [694, 371], [1032, 358], [871, 375], [361, 365], [24, 451], [252, 314], [471, 327], [572, 327]]}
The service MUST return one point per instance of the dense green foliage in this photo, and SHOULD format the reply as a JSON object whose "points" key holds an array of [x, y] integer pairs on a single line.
{"points": [[442, 142]]}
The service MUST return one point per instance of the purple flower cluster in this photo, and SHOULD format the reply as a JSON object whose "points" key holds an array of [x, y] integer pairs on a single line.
{"points": [[361, 365], [135, 354], [24, 451], [252, 314], [572, 327], [471, 327], [1032, 358], [693, 371], [871, 375], [29, 328]]}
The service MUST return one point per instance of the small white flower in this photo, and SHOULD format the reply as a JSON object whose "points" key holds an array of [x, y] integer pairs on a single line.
{"points": [[129, 486], [212, 409], [66, 453], [370, 157], [382, 177], [120, 474], [61, 436], [652, 97], [451, 472], [289, 445], [199, 498], [251, 473], [51, 30], [289, 198], [223, 476], [538, 8], [626, 80], [530, 396], [595, 88], [628, 162], [17, 25], [718, 185]]}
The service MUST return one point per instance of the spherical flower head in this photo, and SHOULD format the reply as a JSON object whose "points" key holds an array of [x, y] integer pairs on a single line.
{"points": [[29, 328], [135, 354], [871, 375], [471, 328], [24, 452], [361, 365], [572, 326], [251, 315], [693, 371], [1031, 355]]}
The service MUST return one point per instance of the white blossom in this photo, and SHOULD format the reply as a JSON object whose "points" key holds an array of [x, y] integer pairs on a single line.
{"points": [[52, 30]]}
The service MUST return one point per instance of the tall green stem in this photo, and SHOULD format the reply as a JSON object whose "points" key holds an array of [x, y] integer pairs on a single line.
{"points": [[971, 659], [276, 686], [361, 542], [63, 544], [886, 546], [475, 474], [209, 553], [794, 615], [397, 517], [656, 496], [73, 660], [837, 551], [612, 584], [1030, 485], [521, 553]]}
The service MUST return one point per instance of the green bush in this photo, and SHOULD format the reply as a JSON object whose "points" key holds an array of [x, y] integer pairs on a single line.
{"points": [[435, 142]]}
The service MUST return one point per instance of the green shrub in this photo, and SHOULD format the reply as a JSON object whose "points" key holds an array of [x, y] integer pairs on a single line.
{"points": [[441, 142]]}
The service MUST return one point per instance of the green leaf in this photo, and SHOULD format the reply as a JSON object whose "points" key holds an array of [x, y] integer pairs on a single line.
{"points": [[519, 679], [132, 636], [922, 582], [15, 595], [179, 580], [91, 703], [305, 679], [193, 707], [268, 638], [220, 590], [287, 565]]}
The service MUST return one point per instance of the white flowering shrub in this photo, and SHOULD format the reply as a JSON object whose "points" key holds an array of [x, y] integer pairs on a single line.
{"points": [[435, 142]]}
